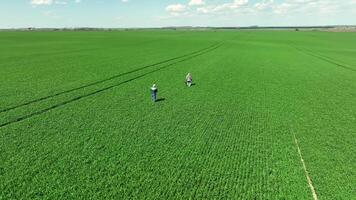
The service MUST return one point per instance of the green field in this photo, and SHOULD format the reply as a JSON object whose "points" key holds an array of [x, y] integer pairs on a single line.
{"points": [[76, 120]]}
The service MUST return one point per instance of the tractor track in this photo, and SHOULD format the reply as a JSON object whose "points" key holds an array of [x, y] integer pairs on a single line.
{"points": [[324, 58], [185, 58], [61, 53], [105, 80]]}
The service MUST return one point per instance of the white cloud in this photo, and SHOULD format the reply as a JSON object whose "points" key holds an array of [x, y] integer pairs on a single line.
{"points": [[203, 10], [263, 5], [196, 2], [283, 8], [235, 5], [78, 1], [41, 2], [309, 7], [50, 2], [60, 2], [124, 1], [286, 8], [176, 9]]}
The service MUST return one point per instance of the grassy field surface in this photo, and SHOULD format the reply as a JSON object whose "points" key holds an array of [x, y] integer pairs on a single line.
{"points": [[76, 120]]}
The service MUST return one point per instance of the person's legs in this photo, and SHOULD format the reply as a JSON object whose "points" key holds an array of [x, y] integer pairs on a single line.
{"points": [[189, 83], [154, 97]]}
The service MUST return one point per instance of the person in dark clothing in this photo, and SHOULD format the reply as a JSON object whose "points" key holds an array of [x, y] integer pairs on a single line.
{"points": [[154, 91]]}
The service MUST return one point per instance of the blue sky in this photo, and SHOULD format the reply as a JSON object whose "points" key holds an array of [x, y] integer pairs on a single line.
{"points": [[159, 13]]}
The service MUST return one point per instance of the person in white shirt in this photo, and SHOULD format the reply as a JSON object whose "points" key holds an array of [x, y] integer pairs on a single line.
{"points": [[189, 79]]}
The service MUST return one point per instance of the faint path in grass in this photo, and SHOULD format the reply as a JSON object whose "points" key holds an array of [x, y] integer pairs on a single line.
{"points": [[310, 183], [105, 80], [185, 58]]}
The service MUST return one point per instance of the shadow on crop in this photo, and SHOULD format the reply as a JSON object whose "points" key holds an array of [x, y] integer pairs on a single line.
{"points": [[160, 99]]}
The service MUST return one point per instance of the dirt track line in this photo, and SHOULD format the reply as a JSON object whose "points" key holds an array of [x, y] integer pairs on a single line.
{"points": [[310, 183], [107, 79], [21, 118]]}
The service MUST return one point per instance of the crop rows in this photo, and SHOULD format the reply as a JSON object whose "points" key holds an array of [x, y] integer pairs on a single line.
{"points": [[230, 136]]}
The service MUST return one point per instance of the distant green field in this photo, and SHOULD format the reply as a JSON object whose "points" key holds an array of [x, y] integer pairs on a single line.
{"points": [[76, 120]]}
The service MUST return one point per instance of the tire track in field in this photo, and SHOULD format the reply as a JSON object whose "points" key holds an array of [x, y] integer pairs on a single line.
{"points": [[75, 51], [324, 58], [105, 80], [186, 58]]}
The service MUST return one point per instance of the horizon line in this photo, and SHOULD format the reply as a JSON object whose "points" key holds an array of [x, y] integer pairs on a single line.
{"points": [[162, 27]]}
